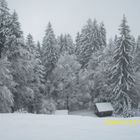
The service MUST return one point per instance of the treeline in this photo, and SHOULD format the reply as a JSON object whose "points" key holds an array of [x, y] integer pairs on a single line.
{"points": [[61, 73]]}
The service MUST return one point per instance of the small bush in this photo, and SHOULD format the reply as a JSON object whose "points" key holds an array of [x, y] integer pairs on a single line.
{"points": [[6, 100], [48, 107]]}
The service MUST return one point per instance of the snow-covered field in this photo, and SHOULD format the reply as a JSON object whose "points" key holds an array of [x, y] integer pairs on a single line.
{"points": [[63, 127]]}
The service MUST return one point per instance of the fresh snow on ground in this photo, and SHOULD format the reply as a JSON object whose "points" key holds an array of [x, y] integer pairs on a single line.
{"points": [[63, 127], [83, 113], [61, 112]]}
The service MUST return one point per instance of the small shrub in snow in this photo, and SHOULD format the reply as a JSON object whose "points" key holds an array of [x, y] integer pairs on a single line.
{"points": [[48, 107], [22, 110], [6, 99]]}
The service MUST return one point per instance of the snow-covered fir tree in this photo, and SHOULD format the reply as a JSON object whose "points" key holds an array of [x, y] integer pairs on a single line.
{"points": [[102, 35], [6, 86], [30, 44], [50, 50], [6, 78], [86, 44], [20, 67], [122, 71], [38, 67], [77, 45], [39, 49], [5, 22], [92, 39], [15, 37], [70, 44], [66, 44], [37, 83]]}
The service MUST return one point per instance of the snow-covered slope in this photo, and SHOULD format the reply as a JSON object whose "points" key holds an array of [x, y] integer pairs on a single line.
{"points": [[66, 127]]}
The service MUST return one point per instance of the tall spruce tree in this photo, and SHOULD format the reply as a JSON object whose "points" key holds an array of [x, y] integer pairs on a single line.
{"points": [[77, 45], [6, 86], [91, 39], [15, 37], [5, 22], [39, 49], [69, 44], [50, 50], [21, 68], [122, 72], [35, 59], [6, 78], [102, 35], [37, 83], [66, 44]]}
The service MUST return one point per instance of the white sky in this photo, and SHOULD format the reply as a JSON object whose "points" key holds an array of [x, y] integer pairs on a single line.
{"points": [[68, 16]]}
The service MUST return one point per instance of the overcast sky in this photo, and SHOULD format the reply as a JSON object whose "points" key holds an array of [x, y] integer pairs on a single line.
{"points": [[68, 16]]}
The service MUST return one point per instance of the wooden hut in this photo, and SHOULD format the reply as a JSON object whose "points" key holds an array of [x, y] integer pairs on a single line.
{"points": [[103, 109]]}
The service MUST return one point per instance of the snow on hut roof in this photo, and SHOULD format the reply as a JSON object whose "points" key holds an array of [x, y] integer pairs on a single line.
{"points": [[102, 107]]}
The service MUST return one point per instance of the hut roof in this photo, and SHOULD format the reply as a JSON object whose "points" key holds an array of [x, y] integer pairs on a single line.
{"points": [[103, 107]]}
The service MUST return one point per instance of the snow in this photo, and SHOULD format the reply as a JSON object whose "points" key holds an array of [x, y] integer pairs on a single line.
{"points": [[61, 112], [104, 107], [83, 113], [63, 127]]}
